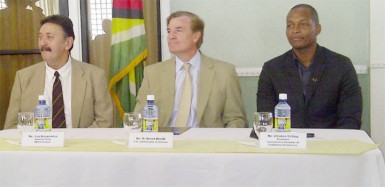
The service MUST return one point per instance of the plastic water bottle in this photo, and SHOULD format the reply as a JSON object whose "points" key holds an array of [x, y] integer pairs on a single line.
{"points": [[43, 115], [150, 115], [282, 114]]}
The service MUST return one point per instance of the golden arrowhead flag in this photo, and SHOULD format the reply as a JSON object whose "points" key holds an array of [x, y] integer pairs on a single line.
{"points": [[128, 52]]}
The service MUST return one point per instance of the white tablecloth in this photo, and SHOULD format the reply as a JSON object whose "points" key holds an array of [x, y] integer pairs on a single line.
{"points": [[49, 168]]}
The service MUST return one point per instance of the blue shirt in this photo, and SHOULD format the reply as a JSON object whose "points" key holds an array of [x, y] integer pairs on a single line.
{"points": [[179, 80]]}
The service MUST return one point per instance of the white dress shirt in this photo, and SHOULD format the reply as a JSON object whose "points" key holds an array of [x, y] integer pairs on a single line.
{"points": [[65, 78], [179, 80]]}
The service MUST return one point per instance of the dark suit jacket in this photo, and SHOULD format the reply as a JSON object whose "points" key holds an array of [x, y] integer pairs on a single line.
{"points": [[219, 94], [333, 98]]}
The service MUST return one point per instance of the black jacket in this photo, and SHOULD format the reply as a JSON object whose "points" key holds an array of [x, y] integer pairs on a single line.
{"points": [[333, 98]]}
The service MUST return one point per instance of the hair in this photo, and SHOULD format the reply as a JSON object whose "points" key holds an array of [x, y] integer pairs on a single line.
{"points": [[64, 22], [313, 12], [197, 24]]}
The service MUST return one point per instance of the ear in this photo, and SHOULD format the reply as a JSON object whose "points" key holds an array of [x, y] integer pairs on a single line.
{"points": [[197, 36], [318, 29], [69, 43]]}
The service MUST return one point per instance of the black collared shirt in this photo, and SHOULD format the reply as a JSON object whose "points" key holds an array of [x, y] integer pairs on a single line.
{"points": [[304, 74]]}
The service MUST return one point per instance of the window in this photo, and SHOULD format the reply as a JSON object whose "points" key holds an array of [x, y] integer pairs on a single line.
{"points": [[99, 11], [2, 5], [99, 23]]}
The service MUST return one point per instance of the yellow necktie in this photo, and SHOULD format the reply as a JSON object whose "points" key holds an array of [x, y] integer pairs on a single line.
{"points": [[185, 99]]}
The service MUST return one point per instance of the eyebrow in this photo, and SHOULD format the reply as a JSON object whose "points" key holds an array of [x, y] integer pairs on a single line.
{"points": [[178, 27], [301, 20], [49, 34]]}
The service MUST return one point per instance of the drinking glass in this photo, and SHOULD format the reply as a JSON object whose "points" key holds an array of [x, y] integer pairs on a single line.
{"points": [[263, 122], [25, 122], [132, 122]]}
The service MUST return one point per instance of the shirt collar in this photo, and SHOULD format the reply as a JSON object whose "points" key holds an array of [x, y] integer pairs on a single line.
{"points": [[64, 71], [194, 62], [298, 62]]}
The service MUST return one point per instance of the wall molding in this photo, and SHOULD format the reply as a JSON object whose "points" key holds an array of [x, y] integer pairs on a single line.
{"points": [[255, 72], [377, 66]]}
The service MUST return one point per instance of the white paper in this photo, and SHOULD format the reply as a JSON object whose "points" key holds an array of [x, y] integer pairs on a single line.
{"points": [[151, 140], [291, 140], [42, 139]]}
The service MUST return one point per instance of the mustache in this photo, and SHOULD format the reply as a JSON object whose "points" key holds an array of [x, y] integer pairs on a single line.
{"points": [[45, 49]]}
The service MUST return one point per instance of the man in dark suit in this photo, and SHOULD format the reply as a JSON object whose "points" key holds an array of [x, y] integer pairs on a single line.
{"points": [[321, 85]]}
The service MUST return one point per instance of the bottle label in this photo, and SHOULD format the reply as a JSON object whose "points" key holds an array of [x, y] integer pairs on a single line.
{"points": [[282, 124], [150, 125], [43, 124]]}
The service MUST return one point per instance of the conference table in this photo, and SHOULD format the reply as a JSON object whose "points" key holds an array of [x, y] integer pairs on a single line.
{"points": [[200, 157]]}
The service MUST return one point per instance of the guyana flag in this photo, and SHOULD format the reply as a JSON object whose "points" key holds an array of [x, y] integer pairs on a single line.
{"points": [[128, 52]]}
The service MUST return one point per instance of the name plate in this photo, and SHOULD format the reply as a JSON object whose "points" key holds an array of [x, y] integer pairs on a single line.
{"points": [[290, 140], [151, 140], [42, 139]]}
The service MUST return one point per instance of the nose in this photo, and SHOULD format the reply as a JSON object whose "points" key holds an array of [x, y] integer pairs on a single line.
{"points": [[296, 28], [171, 35], [42, 41]]}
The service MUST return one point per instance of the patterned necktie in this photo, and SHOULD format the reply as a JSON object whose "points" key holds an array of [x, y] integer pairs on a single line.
{"points": [[58, 117], [185, 100]]}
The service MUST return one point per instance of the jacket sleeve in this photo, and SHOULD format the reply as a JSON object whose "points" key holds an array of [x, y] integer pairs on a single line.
{"points": [[141, 98], [234, 112], [350, 100], [102, 103], [266, 96], [14, 104]]}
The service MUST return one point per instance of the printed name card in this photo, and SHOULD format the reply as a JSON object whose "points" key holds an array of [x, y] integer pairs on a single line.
{"points": [[42, 139], [292, 140], [151, 140]]}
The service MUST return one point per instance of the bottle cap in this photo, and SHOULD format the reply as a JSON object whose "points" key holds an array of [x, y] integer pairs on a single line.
{"points": [[42, 97], [283, 96], [150, 97]]}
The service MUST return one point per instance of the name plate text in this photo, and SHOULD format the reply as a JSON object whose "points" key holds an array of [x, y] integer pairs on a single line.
{"points": [[151, 140], [292, 140], [42, 139]]}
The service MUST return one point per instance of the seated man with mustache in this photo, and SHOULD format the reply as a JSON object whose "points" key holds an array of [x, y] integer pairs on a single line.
{"points": [[85, 96]]}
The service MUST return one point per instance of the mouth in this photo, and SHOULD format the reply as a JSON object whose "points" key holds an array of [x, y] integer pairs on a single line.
{"points": [[296, 38]]}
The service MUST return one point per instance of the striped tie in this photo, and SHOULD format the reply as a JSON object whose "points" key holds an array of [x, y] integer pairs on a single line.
{"points": [[185, 100], [58, 119]]}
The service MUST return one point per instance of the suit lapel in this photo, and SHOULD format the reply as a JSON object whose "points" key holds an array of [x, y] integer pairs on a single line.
{"points": [[316, 75], [37, 83], [39, 79], [168, 87], [294, 82], [78, 92], [206, 78]]}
